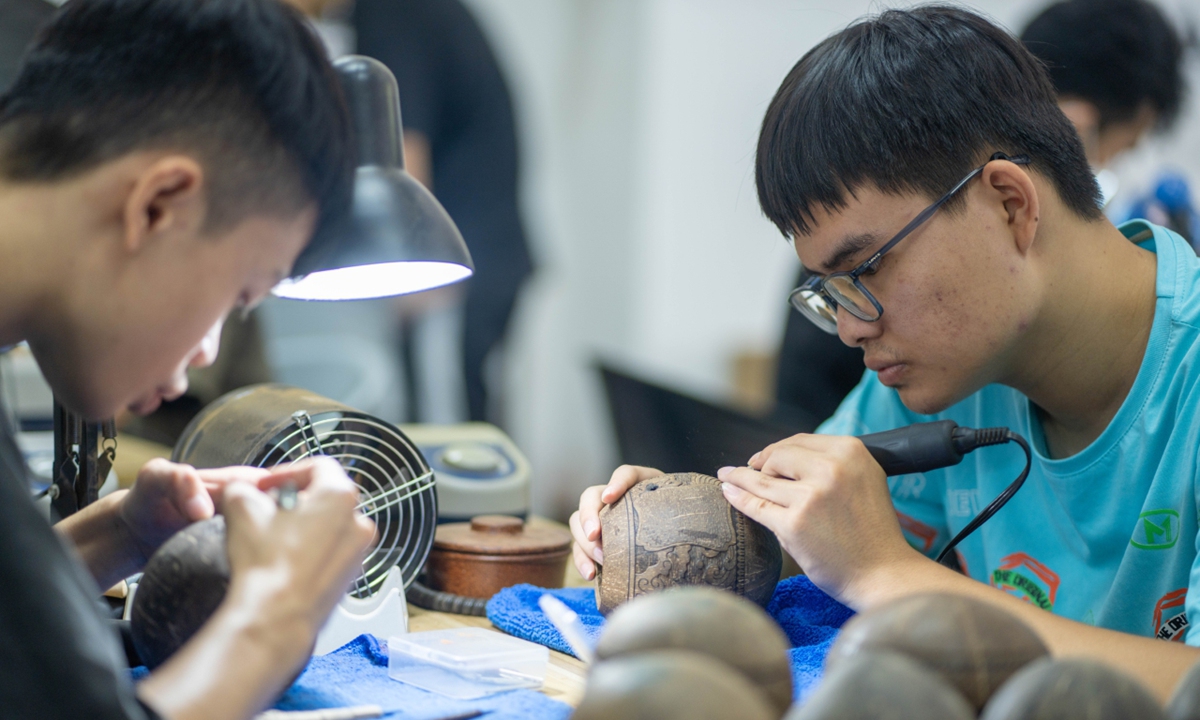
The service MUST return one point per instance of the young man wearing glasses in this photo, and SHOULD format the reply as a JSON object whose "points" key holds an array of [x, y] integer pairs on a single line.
{"points": [[920, 164]]}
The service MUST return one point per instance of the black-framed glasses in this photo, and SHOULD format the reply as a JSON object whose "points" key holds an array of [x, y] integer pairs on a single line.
{"points": [[818, 297]]}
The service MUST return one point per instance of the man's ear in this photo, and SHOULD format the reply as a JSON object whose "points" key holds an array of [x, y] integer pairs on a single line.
{"points": [[167, 196], [1012, 186]]}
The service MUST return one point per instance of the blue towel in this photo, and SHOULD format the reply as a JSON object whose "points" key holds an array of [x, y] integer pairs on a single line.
{"points": [[515, 611], [356, 674], [810, 619]]}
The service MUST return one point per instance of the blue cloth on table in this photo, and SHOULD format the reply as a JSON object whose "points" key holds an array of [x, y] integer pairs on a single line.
{"points": [[356, 674], [515, 610], [810, 619]]}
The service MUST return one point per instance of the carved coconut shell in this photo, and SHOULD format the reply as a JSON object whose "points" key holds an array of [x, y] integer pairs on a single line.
{"points": [[975, 646], [1072, 689], [883, 686], [679, 530], [181, 587], [1185, 702], [711, 622], [669, 685]]}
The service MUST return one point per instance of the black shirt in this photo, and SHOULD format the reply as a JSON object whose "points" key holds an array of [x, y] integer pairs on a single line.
{"points": [[59, 658]]}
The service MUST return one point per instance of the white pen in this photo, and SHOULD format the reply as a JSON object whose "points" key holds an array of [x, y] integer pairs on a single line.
{"points": [[567, 622]]}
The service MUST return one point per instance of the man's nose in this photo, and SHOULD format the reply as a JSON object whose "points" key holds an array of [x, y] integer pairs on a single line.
{"points": [[855, 331], [205, 353]]}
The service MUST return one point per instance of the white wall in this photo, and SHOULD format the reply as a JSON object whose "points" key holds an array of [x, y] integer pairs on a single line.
{"points": [[639, 120]]}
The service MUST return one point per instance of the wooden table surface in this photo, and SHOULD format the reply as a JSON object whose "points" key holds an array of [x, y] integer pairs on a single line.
{"points": [[566, 675]]}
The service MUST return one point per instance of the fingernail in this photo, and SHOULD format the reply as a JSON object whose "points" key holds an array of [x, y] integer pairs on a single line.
{"points": [[591, 573], [754, 458], [730, 490], [198, 508], [598, 553], [723, 472], [590, 528]]}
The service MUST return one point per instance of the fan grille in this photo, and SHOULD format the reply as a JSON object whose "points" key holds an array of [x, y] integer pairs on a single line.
{"points": [[396, 486]]}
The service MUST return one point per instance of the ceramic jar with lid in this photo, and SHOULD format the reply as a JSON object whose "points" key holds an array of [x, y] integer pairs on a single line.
{"points": [[492, 552]]}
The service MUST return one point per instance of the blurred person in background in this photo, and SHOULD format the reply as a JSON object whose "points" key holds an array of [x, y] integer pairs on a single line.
{"points": [[1117, 67], [460, 141]]}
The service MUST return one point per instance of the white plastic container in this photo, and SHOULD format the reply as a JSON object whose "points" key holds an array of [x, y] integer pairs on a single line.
{"points": [[467, 662]]}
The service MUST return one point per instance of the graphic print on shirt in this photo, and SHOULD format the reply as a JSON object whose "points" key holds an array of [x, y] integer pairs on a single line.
{"points": [[962, 503], [907, 487], [917, 533], [1022, 576], [1156, 530], [1170, 619]]}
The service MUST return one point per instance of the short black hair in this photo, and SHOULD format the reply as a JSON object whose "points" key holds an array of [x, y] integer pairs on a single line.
{"points": [[910, 101], [1117, 54], [244, 84]]}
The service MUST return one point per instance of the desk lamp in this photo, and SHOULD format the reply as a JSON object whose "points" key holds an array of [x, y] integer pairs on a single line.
{"points": [[398, 240]]}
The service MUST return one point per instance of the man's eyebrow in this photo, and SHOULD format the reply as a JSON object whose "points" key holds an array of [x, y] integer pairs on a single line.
{"points": [[850, 246]]}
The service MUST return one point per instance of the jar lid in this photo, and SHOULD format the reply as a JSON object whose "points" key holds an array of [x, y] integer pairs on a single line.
{"points": [[501, 535]]}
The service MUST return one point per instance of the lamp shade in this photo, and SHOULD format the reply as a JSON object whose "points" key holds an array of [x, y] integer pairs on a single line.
{"points": [[399, 238]]}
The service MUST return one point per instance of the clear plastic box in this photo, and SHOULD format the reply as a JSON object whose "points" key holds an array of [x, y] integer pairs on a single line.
{"points": [[466, 663]]}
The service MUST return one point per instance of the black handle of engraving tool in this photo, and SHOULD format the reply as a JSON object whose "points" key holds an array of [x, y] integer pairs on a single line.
{"points": [[916, 448], [928, 446]]}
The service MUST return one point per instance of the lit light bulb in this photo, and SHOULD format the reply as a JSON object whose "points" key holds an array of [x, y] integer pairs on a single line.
{"points": [[362, 282]]}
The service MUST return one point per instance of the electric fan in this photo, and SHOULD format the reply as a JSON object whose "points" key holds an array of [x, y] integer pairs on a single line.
{"points": [[269, 425]]}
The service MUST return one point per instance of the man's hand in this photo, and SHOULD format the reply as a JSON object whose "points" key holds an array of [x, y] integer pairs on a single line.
{"points": [[118, 533], [585, 522], [827, 501], [288, 569], [309, 555], [167, 497]]}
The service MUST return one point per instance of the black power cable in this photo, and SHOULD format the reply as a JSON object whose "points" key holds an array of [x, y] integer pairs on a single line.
{"points": [[423, 596], [1000, 501], [928, 446]]}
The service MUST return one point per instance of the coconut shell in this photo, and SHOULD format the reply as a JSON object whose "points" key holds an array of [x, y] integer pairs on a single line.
{"points": [[669, 685], [711, 622], [973, 645], [679, 530], [1185, 702], [883, 686], [181, 587], [1072, 689]]}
